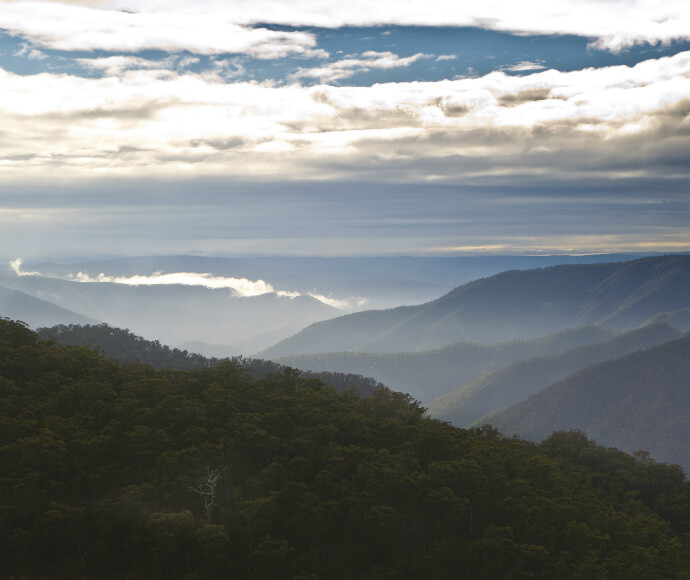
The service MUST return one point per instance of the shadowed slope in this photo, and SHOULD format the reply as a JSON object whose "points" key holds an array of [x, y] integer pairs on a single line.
{"points": [[515, 382], [429, 374], [639, 401]]}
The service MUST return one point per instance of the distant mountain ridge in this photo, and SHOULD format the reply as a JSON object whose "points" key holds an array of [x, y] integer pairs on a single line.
{"points": [[639, 401], [386, 281], [176, 313], [515, 382], [513, 304], [36, 312], [429, 374]]}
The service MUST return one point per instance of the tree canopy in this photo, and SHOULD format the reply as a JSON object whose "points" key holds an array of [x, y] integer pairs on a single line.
{"points": [[121, 470]]}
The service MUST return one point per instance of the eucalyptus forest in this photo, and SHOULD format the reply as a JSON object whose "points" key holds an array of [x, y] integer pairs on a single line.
{"points": [[117, 470]]}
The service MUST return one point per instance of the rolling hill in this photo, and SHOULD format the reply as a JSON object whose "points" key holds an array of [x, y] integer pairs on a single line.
{"points": [[639, 401], [513, 304], [515, 382]]}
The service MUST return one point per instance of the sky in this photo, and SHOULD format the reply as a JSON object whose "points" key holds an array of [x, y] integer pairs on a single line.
{"points": [[265, 127]]}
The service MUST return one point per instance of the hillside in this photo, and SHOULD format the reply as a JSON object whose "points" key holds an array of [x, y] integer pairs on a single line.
{"points": [[124, 346], [515, 382], [640, 401], [121, 471], [36, 312], [513, 304], [430, 374]]}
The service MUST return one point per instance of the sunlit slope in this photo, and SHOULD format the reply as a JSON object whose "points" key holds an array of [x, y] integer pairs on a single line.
{"points": [[514, 304], [640, 401], [36, 312], [515, 382], [430, 374]]}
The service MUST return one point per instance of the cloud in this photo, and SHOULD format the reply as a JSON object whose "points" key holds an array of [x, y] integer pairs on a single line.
{"points": [[116, 65], [146, 122], [524, 66], [30, 53], [16, 266], [70, 27], [241, 287], [350, 66], [208, 26]]}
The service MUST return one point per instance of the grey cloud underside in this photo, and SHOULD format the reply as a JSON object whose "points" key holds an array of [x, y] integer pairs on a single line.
{"points": [[139, 217]]}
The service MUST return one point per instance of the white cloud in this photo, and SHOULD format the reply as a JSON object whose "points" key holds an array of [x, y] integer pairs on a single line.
{"points": [[144, 122], [71, 27], [30, 53], [116, 65], [350, 66], [524, 66], [242, 287], [209, 26], [16, 266]]}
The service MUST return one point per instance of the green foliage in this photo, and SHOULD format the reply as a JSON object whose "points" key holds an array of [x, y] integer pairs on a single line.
{"points": [[105, 467], [121, 345]]}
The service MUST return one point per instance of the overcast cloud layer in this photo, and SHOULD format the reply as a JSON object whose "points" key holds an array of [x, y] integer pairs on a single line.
{"points": [[160, 104], [209, 25]]}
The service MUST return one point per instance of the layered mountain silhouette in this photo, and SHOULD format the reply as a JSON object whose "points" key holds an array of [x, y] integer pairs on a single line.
{"points": [[515, 382], [178, 313], [513, 304], [36, 312], [429, 374], [639, 401]]}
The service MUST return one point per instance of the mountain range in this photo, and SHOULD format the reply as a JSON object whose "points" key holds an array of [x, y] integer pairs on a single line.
{"points": [[177, 313], [516, 381], [429, 374], [639, 401], [513, 304], [36, 312]]}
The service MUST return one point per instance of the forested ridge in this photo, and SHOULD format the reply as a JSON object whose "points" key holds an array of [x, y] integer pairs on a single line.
{"points": [[123, 346], [124, 471]]}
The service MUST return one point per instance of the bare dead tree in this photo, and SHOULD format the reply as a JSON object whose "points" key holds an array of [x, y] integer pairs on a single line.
{"points": [[207, 490]]}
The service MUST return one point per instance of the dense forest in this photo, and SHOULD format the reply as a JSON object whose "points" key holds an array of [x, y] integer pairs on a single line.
{"points": [[124, 471], [123, 346]]}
